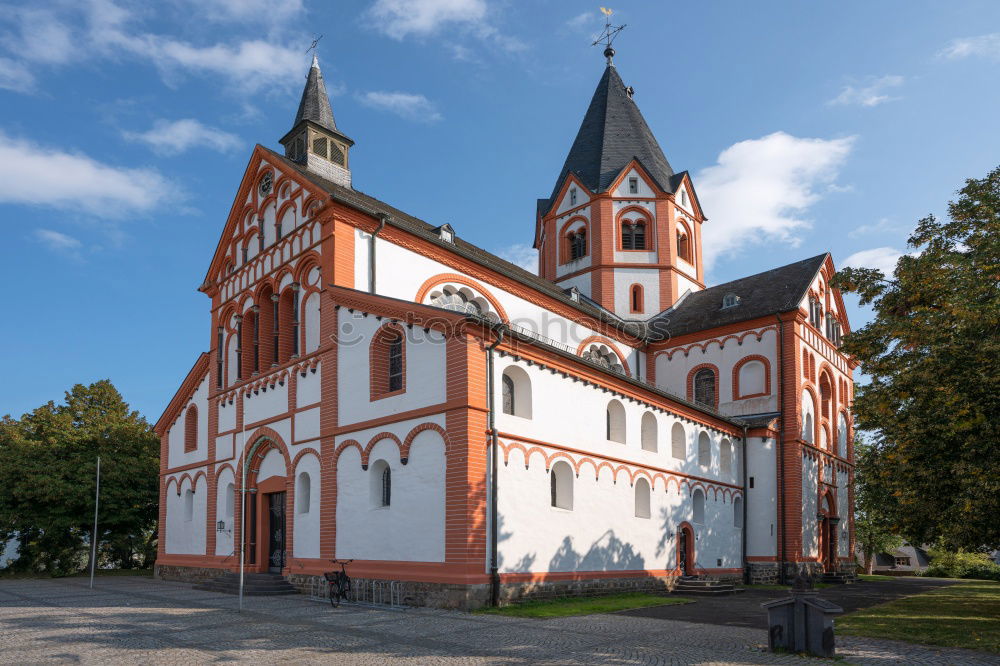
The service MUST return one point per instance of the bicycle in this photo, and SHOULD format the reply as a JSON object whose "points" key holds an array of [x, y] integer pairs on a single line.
{"points": [[339, 582]]}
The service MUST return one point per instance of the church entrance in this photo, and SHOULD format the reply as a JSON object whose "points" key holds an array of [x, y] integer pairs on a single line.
{"points": [[685, 551], [276, 532], [828, 535]]}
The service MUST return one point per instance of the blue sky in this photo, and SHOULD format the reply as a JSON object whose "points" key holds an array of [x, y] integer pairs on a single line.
{"points": [[125, 129]]}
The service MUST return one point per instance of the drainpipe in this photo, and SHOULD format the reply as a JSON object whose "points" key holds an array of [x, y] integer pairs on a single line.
{"points": [[495, 460], [371, 252], [780, 452], [746, 511]]}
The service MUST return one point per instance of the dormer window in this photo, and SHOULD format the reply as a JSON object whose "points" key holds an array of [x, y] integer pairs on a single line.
{"points": [[574, 294], [446, 233], [633, 185], [730, 301], [572, 197]]}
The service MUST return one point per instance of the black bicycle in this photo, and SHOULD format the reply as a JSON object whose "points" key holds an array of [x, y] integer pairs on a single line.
{"points": [[339, 581]]}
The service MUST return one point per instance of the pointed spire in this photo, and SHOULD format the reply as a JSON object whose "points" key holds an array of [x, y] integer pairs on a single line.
{"points": [[314, 140], [612, 133], [315, 103]]}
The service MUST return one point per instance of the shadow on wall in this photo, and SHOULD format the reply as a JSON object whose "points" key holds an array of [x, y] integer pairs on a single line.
{"points": [[608, 553]]}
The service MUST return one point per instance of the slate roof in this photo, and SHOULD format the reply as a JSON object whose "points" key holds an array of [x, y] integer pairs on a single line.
{"points": [[612, 133], [315, 103], [767, 293]]}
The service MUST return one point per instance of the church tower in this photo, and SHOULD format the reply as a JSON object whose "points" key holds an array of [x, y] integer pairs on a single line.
{"points": [[621, 226], [314, 140]]}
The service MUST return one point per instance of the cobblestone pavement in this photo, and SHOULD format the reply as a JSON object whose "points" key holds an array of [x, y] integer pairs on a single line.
{"points": [[127, 620]]}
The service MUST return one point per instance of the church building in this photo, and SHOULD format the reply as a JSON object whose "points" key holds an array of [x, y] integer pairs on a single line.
{"points": [[377, 388]]}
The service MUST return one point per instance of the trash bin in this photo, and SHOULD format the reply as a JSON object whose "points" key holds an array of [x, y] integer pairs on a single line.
{"points": [[801, 622]]}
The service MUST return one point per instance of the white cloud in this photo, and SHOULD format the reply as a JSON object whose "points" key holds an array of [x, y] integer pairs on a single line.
{"points": [[105, 29], [405, 105], [521, 255], [400, 19], [15, 76], [882, 258], [39, 175], [883, 225], [40, 37], [270, 11], [983, 45], [171, 137], [872, 94], [57, 241], [583, 21], [760, 189]]}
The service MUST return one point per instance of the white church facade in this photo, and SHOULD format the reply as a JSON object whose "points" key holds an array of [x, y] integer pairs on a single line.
{"points": [[378, 389]]}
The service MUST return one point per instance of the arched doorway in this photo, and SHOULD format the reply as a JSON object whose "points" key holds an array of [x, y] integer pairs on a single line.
{"points": [[685, 550], [265, 510], [827, 527]]}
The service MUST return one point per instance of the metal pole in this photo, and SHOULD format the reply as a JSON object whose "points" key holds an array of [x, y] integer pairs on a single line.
{"points": [[93, 536], [243, 509]]}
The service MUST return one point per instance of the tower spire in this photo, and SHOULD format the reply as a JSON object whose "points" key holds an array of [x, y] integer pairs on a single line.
{"points": [[314, 140]]}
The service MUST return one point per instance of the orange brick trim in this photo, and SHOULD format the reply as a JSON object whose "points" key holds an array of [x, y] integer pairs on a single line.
{"points": [[631, 469], [642, 216], [366, 454], [690, 381], [443, 278], [408, 442], [736, 377], [721, 341], [636, 302], [378, 360], [197, 373], [305, 452], [191, 429], [563, 240], [757, 326], [597, 339]]}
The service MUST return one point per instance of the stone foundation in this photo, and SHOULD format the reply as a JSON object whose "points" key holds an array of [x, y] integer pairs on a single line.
{"points": [[186, 574], [461, 597], [763, 573], [471, 597]]}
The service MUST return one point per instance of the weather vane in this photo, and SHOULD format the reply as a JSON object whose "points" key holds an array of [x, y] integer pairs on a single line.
{"points": [[608, 35], [312, 47]]}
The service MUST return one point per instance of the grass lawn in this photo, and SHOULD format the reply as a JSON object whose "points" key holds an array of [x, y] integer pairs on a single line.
{"points": [[965, 615], [876, 577], [584, 606]]}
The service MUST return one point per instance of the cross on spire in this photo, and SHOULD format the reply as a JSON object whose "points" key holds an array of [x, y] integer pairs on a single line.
{"points": [[608, 35], [312, 47]]}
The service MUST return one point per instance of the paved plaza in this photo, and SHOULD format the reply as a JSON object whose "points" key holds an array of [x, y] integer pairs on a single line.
{"points": [[128, 620]]}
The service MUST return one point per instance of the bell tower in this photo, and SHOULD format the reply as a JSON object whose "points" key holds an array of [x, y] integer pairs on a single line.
{"points": [[314, 140], [620, 225]]}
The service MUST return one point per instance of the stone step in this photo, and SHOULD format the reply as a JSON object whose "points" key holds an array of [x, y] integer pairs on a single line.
{"points": [[702, 582], [255, 584]]}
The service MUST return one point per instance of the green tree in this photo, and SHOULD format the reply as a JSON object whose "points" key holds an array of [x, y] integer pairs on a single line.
{"points": [[47, 461], [874, 506], [932, 352]]}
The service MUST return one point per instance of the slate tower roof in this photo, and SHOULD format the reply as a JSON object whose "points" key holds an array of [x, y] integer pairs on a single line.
{"points": [[315, 103], [612, 133]]}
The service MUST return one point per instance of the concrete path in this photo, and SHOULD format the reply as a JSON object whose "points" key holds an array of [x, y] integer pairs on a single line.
{"points": [[139, 620], [743, 610]]}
